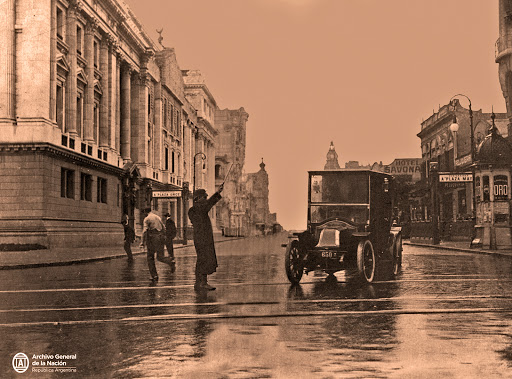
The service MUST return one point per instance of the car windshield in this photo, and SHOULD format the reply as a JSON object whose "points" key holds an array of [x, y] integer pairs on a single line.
{"points": [[339, 187], [354, 214]]}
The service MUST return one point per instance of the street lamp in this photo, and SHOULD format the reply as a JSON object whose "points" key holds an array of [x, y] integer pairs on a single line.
{"points": [[455, 126], [203, 158]]}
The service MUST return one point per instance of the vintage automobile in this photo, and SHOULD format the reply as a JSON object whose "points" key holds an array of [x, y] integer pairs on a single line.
{"points": [[349, 226]]}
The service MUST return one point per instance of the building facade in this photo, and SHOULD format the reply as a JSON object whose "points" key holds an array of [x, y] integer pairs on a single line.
{"points": [[232, 216], [503, 57], [95, 129], [450, 152]]}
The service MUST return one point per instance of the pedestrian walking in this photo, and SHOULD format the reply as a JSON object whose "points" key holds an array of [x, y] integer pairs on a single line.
{"points": [[206, 263], [129, 238], [153, 238], [170, 234]]}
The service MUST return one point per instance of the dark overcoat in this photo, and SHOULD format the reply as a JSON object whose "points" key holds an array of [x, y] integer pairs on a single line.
{"points": [[203, 234]]}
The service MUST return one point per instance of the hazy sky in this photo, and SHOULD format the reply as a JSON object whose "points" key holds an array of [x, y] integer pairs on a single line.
{"points": [[361, 73]]}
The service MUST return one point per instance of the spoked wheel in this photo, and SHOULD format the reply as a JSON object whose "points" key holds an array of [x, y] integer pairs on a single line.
{"points": [[293, 262], [397, 255], [366, 261]]}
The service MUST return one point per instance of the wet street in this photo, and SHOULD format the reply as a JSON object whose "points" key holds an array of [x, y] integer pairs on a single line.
{"points": [[449, 314]]}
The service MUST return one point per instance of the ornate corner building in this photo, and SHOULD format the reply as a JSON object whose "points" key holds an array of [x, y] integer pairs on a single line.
{"points": [[97, 122]]}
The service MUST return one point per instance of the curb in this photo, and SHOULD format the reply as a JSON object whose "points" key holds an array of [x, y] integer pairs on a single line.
{"points": [[94, 259], [461, 249]]}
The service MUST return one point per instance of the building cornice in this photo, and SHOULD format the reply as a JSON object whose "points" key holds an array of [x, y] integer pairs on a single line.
{"points": [[57, 151]]}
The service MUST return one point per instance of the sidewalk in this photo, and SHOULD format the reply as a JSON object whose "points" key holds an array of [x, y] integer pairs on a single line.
{"points": [[63, 256], [460, 246]]}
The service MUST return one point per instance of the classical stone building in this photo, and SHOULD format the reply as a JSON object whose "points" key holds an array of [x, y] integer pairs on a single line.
{"points": [[94, 125], [232, 216]]}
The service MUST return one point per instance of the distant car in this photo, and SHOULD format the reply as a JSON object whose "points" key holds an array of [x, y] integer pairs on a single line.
{"points": [[349, 225]]}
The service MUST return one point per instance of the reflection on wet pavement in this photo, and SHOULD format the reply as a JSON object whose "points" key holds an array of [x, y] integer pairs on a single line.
{"points": [[447, 315]]}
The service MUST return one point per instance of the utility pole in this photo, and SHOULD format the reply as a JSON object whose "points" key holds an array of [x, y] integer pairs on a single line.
{"points": [[434, 180]]}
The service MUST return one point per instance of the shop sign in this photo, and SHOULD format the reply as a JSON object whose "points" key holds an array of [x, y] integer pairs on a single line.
{"points": [[404, 167], [466, 159], [166, 194], [454, 185], [462, 177], [500, 188]]}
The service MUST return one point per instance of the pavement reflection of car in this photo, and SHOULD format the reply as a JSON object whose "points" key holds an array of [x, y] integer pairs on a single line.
{"points": [[349, 226]]}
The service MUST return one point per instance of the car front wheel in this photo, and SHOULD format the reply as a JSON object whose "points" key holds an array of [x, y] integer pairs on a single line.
{"points": [[293, 262]]}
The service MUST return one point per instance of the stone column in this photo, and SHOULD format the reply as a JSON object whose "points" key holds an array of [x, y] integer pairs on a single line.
{"points": [[126, 90], [71, 87], [103, 134], [90, 29], [112, 86], [53, 63], [158, 145], [8, 56], [118, 105]]}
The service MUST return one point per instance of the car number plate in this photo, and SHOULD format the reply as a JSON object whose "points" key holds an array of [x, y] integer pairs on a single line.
{"points": [[329, 254]]}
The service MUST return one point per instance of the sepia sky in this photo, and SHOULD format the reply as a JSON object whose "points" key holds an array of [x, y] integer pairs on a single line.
{"points": [[360, 73]]}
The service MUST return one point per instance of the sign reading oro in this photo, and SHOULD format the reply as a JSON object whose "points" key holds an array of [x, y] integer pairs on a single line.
{"points": [[166, 194], [459, 177]]}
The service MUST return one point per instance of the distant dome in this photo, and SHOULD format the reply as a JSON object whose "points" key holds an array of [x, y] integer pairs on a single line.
{"points": [[494, 149]]}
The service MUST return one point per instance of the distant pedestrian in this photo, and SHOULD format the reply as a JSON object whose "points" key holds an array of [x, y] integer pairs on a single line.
{"points": [[170, 234], [153, 238], [206, 263], [129, 238]]}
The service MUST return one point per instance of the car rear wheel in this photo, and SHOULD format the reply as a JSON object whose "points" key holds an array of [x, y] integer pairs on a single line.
{"points": [[366, 261], [293, 262], [397, 255]]}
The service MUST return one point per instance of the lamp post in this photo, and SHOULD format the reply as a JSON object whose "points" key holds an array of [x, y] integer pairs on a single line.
{"points": [[203, 157], [455, 126]]}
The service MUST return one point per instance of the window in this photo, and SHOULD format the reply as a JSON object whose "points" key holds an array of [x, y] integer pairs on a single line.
{"points": [[60, 24], [67, 183], [485, 188], [86, 187], [96, 121], [173, 163], [102, 190], [166, 159], [79, 40], [59, 107], [79, 114], [165, 112], [96, 53]]}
